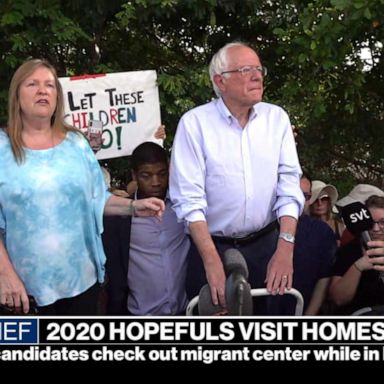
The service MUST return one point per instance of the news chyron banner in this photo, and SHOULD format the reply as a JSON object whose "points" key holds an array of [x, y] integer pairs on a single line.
{"points": [[192, 340], [127, 104]]}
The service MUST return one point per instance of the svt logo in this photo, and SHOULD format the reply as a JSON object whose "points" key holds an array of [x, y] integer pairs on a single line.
{"points": [[359, 216]]}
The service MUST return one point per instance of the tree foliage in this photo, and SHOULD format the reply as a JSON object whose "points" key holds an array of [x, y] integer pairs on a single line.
{"points": [[324, 58]]}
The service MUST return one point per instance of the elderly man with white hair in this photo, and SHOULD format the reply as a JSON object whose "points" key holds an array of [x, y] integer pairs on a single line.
{"points": [[234, 174]]}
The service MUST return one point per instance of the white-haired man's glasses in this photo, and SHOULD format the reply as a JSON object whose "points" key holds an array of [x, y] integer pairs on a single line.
{"points": [[249, 70]]}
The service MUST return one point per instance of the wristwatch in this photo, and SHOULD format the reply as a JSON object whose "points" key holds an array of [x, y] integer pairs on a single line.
{"points": [[131, 209], [287, 237]]}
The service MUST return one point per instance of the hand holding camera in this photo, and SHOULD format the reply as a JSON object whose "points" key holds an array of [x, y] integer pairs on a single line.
{"points": [[94, 133], [373, 257], [8, 310], [375, 253]]}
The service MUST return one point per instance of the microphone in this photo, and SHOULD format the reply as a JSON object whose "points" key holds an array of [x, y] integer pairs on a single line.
{"points": [[358, 221], [237, 289], [234, 262]]}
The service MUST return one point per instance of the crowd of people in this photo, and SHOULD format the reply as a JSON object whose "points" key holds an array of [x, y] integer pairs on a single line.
{"points": [[233, 181]]}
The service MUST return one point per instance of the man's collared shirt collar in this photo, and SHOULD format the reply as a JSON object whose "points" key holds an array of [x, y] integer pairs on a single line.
{"points": [[226, 113]]}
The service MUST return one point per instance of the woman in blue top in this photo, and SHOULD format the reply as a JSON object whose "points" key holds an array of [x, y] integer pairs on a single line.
{"points": [[52, 198]]}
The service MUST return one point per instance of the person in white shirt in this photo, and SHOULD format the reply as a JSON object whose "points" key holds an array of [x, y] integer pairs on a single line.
{"points": [[235, 178]]}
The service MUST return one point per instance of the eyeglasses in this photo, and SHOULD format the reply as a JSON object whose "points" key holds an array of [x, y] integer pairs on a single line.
{"points": [[307, 196], [380, 223], [249, 70]]}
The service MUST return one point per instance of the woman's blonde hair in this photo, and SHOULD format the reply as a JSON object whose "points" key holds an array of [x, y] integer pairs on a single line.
{"points": [[15, 125]]}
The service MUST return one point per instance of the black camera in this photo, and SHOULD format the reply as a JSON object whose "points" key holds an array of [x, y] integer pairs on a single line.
{"points": [[6, 310]]}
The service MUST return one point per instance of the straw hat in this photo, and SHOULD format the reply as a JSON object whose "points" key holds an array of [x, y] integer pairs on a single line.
{"points": [[360, 193], [320, 189]]}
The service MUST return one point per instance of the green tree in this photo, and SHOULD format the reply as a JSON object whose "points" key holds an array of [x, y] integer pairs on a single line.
{"points": [[335, 93], [312, 50]]}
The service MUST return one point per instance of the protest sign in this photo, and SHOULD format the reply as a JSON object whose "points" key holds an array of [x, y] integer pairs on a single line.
{"points": [[127, 104]]}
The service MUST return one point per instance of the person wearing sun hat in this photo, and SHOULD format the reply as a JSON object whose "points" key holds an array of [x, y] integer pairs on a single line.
{"points": [[324, 197], [360, 193], [321, 190], [357, 285]]}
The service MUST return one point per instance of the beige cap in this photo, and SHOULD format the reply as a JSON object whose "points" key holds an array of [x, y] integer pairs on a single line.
{"points": [[360, 193]]}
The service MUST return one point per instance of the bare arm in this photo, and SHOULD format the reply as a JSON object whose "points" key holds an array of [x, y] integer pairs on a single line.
{"points": [[280, 267], [318, 296], [12, 290], [212, 263], [343, 288], [160, 133], [145, 207]]}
